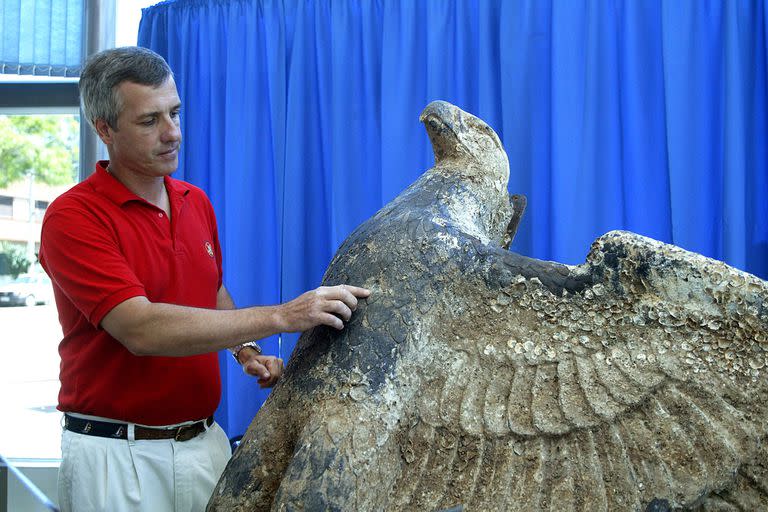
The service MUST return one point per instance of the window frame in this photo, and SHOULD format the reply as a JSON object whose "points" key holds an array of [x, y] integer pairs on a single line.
{"points": [[55, 97]]}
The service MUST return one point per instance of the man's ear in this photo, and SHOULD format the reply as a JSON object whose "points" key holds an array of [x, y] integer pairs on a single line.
{"points": [[103, 130]]}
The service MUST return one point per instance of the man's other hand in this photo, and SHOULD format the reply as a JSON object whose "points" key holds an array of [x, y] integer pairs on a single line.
{"points": [[268, 369]]}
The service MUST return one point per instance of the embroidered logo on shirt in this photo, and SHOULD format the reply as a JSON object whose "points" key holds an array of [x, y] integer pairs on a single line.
{"points": [[209, 249]]}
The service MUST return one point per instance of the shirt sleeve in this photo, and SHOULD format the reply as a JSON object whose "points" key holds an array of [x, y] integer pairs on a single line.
{"points": [[83, 259]]}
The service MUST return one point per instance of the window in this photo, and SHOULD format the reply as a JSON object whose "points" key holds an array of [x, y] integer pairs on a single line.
{"points": [[6, 206], [44, 164], [40, 207], [129, 14]]}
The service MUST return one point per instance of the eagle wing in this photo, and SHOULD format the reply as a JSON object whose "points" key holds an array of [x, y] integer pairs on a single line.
{"points": [[635, 379]]}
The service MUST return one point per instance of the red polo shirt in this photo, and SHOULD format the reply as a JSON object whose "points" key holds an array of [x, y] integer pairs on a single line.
{"points": [[102, 244]]}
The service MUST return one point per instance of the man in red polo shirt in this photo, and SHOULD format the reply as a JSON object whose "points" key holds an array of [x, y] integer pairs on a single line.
{"points": [[135, 259]]}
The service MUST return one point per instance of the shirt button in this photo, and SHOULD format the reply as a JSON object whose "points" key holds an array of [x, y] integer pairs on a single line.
{"points": [[160, 215]]}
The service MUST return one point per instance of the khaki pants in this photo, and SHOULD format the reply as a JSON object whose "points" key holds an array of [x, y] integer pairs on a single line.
{"points": [[116, 475]]}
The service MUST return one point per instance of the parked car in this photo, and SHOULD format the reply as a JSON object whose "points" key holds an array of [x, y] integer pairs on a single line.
{"points": [[27, 290]]}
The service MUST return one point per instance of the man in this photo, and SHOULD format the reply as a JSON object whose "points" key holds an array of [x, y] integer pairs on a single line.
{"points": [[135, 260]]}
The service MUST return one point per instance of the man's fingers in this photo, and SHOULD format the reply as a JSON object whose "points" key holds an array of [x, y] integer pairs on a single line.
{"points": [[273, 364], [347, 293], [275, 367], [357, 291], [341, 309], [349, 300], [268, 369], [338, 293], [341, 301], [331, 321], [255, 368]]}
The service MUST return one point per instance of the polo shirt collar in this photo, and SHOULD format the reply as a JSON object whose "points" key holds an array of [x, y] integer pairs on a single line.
{"points": [[106, 184], [176, 188]]}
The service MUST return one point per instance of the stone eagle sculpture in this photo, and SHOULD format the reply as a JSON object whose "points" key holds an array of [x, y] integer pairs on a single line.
{"points": [[477, 378]]}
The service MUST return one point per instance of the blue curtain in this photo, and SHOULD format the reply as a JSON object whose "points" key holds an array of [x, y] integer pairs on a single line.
{"points": [[41, 37], [301, 120]]}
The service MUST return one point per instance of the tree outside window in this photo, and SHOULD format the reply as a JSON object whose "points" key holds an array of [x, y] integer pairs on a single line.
{"points": [[41, 150]]}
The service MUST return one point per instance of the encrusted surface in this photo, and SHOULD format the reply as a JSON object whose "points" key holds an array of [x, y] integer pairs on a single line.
{"points": [[475, 376]]}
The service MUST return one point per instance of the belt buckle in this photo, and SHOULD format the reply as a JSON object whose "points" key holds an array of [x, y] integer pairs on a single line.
{"points": [[185, 433]]}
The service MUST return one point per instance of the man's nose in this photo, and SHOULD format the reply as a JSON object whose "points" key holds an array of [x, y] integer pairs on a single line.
{"points": [[171, 131]]}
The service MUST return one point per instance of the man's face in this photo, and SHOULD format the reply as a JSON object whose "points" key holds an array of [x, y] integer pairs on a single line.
{"points": [[147, 138]]}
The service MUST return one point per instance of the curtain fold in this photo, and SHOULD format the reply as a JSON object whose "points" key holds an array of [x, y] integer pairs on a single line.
{"points": [[300, 120], [41, 37]]}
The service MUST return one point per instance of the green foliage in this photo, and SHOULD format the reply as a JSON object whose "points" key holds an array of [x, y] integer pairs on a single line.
{"points": [[13, 259], [46, 145]]}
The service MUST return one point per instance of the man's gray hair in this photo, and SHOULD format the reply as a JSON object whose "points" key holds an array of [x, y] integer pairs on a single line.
{"points": [[105, 70]]}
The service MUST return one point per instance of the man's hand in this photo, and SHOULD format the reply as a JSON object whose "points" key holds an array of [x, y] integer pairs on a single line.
{"points": [[268, 369], [327, 305]]}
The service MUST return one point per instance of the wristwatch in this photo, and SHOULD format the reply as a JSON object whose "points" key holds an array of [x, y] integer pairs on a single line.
{"points": [[236, 350]]}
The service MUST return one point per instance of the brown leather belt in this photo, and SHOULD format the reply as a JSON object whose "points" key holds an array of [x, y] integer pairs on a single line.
{"points": [[120, 430]]}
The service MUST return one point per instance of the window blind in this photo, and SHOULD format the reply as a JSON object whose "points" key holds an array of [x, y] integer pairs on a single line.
{"points": [[41, 37]]}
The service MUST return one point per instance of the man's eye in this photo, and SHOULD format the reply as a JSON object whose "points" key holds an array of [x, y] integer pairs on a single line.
{"points": [[148, 122], [175, 114]]}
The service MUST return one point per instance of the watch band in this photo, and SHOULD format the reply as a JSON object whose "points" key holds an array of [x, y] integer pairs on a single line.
{"points": [[236, 350]]}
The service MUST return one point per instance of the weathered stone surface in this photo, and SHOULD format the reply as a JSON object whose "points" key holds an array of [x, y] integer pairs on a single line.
{"points": [[478, 377]]}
